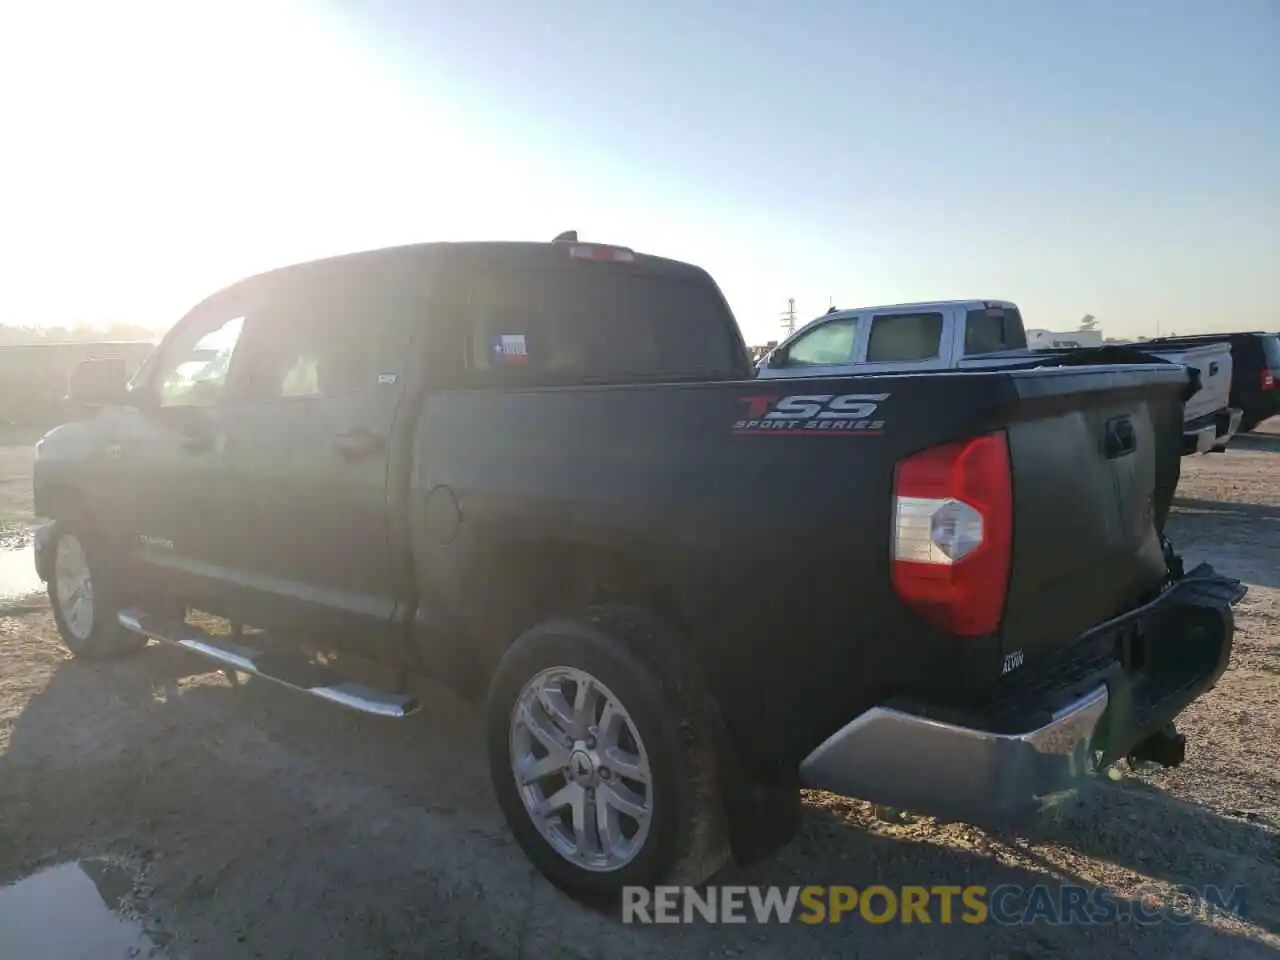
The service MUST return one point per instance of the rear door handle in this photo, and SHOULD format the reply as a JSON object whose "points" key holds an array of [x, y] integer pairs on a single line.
{"points": [[358, 444]]}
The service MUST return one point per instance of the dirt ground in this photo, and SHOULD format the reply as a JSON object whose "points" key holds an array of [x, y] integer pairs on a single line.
{"points": [[261, 823]]}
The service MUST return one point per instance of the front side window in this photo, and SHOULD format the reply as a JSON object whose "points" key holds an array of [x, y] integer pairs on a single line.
{"points": [[829, 343], [328, 335], [898, 337], [311, 354], [197, 361]]}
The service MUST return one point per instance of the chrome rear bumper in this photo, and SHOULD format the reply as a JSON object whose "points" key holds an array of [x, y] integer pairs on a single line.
{"points": [[1228, 426], [904, 760]]}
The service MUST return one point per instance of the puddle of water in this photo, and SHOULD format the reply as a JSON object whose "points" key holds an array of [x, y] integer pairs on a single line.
{"points": [[18, 574], [69, 912]]}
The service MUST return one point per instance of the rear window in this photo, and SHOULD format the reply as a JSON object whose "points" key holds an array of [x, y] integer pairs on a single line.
{"points": [[588, 323], [992, 330], [904, 336], [1271, 352]]}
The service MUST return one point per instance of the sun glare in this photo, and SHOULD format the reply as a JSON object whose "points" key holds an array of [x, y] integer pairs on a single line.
{"points": [[167, 148]]}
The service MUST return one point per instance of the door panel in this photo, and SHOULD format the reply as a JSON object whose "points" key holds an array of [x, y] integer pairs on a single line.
{"points": [[306, 495], [170, 456], [172, 470], [304, 498]]}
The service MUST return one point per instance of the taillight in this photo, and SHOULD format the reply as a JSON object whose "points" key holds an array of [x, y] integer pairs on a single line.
{"points": [[953, 533], [599, 252], [1268, 379]]}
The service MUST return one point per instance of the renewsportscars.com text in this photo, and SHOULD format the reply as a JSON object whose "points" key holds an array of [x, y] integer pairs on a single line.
{"points": [[1008, 904]]}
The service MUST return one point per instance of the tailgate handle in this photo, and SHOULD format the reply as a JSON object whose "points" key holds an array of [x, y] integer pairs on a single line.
{"points": [[1121, 440]]}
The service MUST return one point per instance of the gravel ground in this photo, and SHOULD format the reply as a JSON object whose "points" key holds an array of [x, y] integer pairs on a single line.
{"points": [[258, 823]]}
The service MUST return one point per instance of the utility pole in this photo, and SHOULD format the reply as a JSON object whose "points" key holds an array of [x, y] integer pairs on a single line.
{"points": [[789, 317]]}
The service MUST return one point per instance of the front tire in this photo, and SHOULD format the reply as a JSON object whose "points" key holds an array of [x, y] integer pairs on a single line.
{"points": [[85, 598], [605, 753]]}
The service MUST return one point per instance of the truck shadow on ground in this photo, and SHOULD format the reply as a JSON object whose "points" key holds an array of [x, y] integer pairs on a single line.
{"points": [[1227, 510], [1238, 537], [303, 827], [1264, 442]]}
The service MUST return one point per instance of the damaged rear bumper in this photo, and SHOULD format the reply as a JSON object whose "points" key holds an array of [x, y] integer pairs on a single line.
{"points": [[1036, 735]]}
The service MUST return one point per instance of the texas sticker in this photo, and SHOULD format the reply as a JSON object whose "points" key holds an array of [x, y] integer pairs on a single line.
{"points": [[510, 348]]}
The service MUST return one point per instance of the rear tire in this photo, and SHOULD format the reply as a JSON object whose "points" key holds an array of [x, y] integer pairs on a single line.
{"points": [[85, 596], [619, 785]]}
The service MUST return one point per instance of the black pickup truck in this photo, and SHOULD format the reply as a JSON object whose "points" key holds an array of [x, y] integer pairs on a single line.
{"points": [[544, 472]]}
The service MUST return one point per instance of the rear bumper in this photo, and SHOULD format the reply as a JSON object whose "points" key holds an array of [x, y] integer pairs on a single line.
{"points": [[1038, 735], [1228, 423], [1213, 431]]}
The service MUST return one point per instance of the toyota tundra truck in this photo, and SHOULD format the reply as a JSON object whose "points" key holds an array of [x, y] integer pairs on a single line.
{"points": [[545, 473]]}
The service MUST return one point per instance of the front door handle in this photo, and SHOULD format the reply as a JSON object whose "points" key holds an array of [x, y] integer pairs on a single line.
{"points": [[358, 444]]}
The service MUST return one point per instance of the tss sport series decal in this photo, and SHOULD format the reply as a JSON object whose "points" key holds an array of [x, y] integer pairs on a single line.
{"points": [[812, 414]]}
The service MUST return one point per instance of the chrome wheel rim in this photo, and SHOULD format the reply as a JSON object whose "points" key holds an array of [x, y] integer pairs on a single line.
{"points": [[75, 586], [582, 769]]}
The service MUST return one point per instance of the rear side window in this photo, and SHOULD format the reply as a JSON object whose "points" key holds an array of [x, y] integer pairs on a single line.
{"points": [[1271, 352], [831, 342], [994, 329], [586, 323], [904, 336]]}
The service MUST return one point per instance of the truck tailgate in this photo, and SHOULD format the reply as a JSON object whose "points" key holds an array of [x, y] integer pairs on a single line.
{"points": [[1096, 455], [1213, 361]]}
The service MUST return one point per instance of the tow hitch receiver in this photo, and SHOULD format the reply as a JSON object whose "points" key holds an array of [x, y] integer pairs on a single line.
{"points": [[1166, 746]]}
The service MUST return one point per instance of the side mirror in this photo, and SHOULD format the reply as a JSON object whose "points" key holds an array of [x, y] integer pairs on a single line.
{"points": [[98, 383]]}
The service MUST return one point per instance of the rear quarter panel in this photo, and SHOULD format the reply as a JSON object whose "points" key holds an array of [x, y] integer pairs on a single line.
{"points": [[774, 546]]}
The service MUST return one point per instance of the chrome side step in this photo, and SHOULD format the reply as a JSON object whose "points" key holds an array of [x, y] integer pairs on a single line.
{"points": [[291, 671]]}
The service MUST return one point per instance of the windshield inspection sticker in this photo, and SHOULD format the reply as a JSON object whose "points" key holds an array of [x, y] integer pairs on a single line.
{"points": [[812, 414], [509, 348]]}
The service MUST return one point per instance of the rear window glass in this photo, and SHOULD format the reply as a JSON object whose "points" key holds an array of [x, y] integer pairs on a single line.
{"points": [[831, 342], [1271, 350], [599, 324], [904, 336], [988, 331]]}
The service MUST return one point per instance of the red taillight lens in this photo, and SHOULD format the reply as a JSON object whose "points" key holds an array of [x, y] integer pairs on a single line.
{"points": [[953, 533], [1268, 380]]}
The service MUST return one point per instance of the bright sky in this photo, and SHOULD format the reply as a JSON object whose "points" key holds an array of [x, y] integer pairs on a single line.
{"points": [[1120, 160]]}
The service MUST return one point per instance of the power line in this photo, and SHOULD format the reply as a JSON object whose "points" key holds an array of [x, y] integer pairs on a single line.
{"points": [[789, 317]]}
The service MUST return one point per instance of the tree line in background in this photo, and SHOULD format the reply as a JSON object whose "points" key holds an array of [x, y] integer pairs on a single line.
{"points": [[12, 335]]}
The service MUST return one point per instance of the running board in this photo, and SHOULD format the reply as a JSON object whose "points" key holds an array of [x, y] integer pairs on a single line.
{"points": [[290, 670]]}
